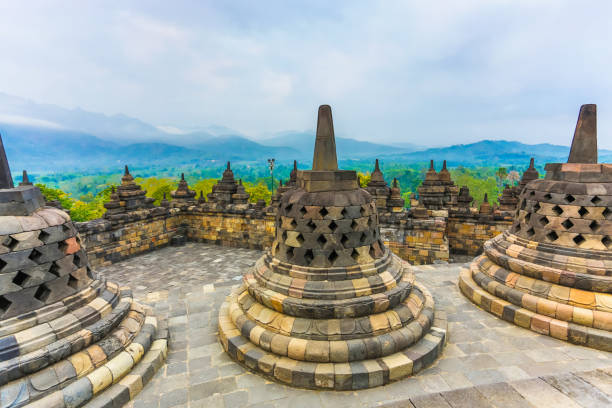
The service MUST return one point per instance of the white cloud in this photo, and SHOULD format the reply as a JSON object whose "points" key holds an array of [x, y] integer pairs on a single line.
{"points": [[444, 71]]}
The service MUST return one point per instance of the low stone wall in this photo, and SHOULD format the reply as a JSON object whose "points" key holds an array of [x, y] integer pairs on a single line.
{"points": [[467, 234], [241, 229], [418, 241], [110, 240]]}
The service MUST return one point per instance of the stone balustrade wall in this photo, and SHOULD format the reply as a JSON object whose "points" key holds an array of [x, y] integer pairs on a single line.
{"points": [[417, 240], [468, 232], [110, 240], [245, 229]]}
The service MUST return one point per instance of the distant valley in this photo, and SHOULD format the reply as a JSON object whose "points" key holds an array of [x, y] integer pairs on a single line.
{"points": [[48, 138]]}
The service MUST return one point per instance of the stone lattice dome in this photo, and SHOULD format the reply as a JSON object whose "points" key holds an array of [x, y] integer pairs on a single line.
{"points": [[552, 271], [66, 333], [329, 306]]}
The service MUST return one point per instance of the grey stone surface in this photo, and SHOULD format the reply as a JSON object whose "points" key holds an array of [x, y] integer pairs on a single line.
{"points": [[484, 355]]}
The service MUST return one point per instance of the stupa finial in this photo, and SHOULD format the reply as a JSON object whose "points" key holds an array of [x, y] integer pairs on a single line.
{"points": [[6, 180], [127, 171], [531, 164], [325, 144], [25, 180], [228, 165], [444, 165], [376, 168], [431, 165], [182, 176], [584, 144]]}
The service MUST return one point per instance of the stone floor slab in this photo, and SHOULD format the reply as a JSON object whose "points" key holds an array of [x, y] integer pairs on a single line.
{"points": [[187, 285]]}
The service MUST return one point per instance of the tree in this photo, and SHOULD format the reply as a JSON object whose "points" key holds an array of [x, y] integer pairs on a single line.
{"points": [[364, 179], [258, 191], [514, 177], [501, 175]]}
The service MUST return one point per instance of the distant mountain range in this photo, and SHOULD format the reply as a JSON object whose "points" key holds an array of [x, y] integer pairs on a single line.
{"points": [[42, 138]]}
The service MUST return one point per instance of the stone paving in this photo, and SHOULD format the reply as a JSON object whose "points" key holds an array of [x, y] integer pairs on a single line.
{"points": [[486, 362]]}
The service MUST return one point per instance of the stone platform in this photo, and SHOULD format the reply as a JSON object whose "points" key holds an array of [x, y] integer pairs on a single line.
{"points": [[486, 360]]}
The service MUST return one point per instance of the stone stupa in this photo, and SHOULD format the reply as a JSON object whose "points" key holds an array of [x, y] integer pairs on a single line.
{"points": [[551, 272], [329, 306], [67, 335]]}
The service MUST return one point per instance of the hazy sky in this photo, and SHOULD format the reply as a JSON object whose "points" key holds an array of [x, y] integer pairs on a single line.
{"points": [[425, 72]]}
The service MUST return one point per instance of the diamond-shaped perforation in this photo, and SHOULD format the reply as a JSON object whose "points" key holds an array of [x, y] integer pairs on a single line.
{"points": [[43, 236], [42, 293], [300, 238], [536, 207], [552, 236], [532, 193], [303, 211], [363, 238], [322, 240], [596, 200], [311, 225], [4, 305], [289, 253], [288, 207], [333, 226], [323, 212], [544, 221], [517, 227], [21, 278], [35, 255], [530, 232], [527, 217], [354, 225], [606, 213], [567, 224], [557, 210], [344, 240], [607, 241], [73, 282], [293, 223], [62, 246], [570, 198], [12, 243], [284, 236], [332, 257], [54, 269], [343, 213], [308, 256], [523, 204], [355, 254], [578, 239], [2, 264], [594, 226], [362, 211], [583, 211], [547, 196], [76, 260]]}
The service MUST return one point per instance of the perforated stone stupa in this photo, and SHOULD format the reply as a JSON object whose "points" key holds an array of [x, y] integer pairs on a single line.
{"points": [[67, 335], [552, 271], [329, 306]]}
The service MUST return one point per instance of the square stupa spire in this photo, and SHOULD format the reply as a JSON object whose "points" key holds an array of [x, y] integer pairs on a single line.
{"points": [[584, 144]]}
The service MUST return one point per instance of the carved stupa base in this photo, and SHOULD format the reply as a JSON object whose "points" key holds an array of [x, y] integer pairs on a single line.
{"points": [[401, 336]]}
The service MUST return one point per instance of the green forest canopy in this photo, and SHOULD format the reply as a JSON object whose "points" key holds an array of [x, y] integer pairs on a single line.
{"points": [[85, 194]]}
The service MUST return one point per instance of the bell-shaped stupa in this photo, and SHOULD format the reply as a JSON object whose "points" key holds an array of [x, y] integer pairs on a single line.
{"points": [[67, 335], [329, 306], [551, 272]]}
